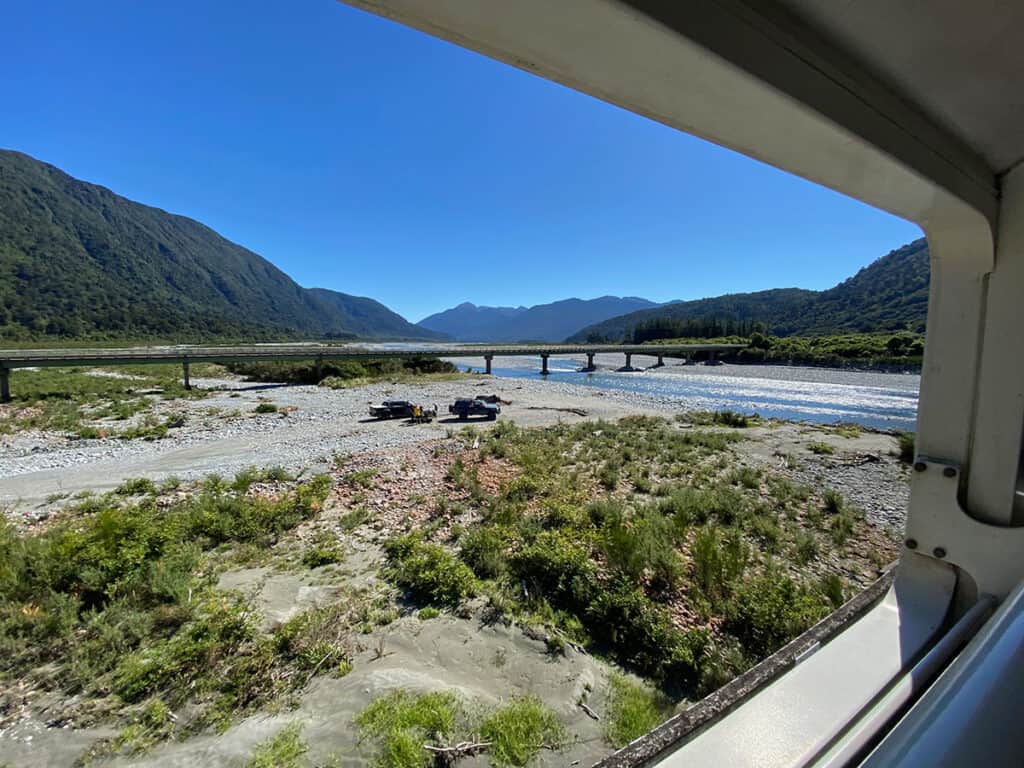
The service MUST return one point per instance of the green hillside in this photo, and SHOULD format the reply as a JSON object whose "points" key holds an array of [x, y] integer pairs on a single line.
{"points": [[80, 262], [888, 295]]}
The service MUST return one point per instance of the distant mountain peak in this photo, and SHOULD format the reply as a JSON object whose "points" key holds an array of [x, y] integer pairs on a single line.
{"points": [[542, 322]]}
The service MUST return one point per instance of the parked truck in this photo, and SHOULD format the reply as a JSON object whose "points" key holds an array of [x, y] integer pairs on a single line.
{"points": [[464, 407], [392, 409]]}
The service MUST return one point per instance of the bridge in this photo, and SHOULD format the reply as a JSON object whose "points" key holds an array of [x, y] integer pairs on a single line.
{"points": [[319, 353]]}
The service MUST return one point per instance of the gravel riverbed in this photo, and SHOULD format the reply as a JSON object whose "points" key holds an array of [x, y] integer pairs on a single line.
{"points": [[222, 434]]}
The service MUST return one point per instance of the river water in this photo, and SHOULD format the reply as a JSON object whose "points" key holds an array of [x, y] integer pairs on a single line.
{"points": [[821, 395]]}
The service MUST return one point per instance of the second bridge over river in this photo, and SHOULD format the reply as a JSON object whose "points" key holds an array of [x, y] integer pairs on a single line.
{"points": [[319, 353]]}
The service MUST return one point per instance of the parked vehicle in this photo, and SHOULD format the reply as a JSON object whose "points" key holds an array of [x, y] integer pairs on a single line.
{"points": [[392, 409], [464, 407]]}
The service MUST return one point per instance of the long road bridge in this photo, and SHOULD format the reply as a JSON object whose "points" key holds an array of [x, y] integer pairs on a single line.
{"points": [[319, 353]]}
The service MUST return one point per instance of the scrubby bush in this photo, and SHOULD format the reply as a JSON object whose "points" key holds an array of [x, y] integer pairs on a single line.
{"points": [[114, 596], [907, 449], [428, 572], [483, 549], [560, 566], [768, 609], [640, 633], [834, 501]]}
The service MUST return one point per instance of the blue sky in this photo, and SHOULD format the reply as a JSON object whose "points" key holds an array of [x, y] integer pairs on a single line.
{"points": [[365, 157]]}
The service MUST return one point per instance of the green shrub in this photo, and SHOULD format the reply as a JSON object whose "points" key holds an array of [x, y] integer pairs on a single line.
{"points": [[136, 486], [805, 547], [731, 419], [560, 566], [633, 710], [266, 408], [821, 448], [520, 729], [843, 525], [747, 477], [425, 614], [318, 638], [429, 572], [769, 609], [833, 589], [318, 556], [483, 549], [907, 449], [834, 501], [115, 597], [639, 633], [718, 562], [644, 545]]}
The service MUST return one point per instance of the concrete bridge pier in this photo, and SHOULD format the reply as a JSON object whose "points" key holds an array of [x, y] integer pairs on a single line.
{"points": [[712, 359], [184, 371], [5, 385], [660, 363], [319, 369], [544, 365], [589, 367], [487, 363], [628, 367]]}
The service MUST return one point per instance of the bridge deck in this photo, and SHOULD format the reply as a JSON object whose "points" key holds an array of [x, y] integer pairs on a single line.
{"points": [[31, 358]]}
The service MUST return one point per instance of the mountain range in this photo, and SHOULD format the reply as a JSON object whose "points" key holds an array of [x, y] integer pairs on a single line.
{"points": [[78, 261], [543, 322], [889, 294]]}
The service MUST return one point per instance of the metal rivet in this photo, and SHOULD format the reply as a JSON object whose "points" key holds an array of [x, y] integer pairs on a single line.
{"points": [[949, 472], [920, 466], [939, 552], [911, 543]]}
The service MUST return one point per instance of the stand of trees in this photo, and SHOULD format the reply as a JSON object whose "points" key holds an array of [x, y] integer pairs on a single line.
{"points": [[694, 328]]}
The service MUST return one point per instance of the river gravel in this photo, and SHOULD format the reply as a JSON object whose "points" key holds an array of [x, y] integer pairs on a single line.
{"points": [[222, 434]]}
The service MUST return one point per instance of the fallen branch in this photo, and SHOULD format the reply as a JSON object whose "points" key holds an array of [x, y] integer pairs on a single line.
{"points": [[462, 749], [591, 713], [577, 411]]}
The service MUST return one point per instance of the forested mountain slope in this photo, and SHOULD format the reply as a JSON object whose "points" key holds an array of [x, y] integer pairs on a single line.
{"points": [[78, 261], [889, 294]]}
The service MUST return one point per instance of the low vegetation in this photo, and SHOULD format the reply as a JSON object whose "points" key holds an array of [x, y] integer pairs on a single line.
{"points": [[86, 403], [340, 374], [902, 350], [116, 602], [519, 730], [284, 750], [907, 448], [633, 710], [639, 540], [404, 726]]}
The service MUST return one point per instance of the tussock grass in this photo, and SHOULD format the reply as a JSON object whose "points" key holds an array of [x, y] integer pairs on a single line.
{"points": [[284, 750], [520, 729], [400, 723], [633, 710]]}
